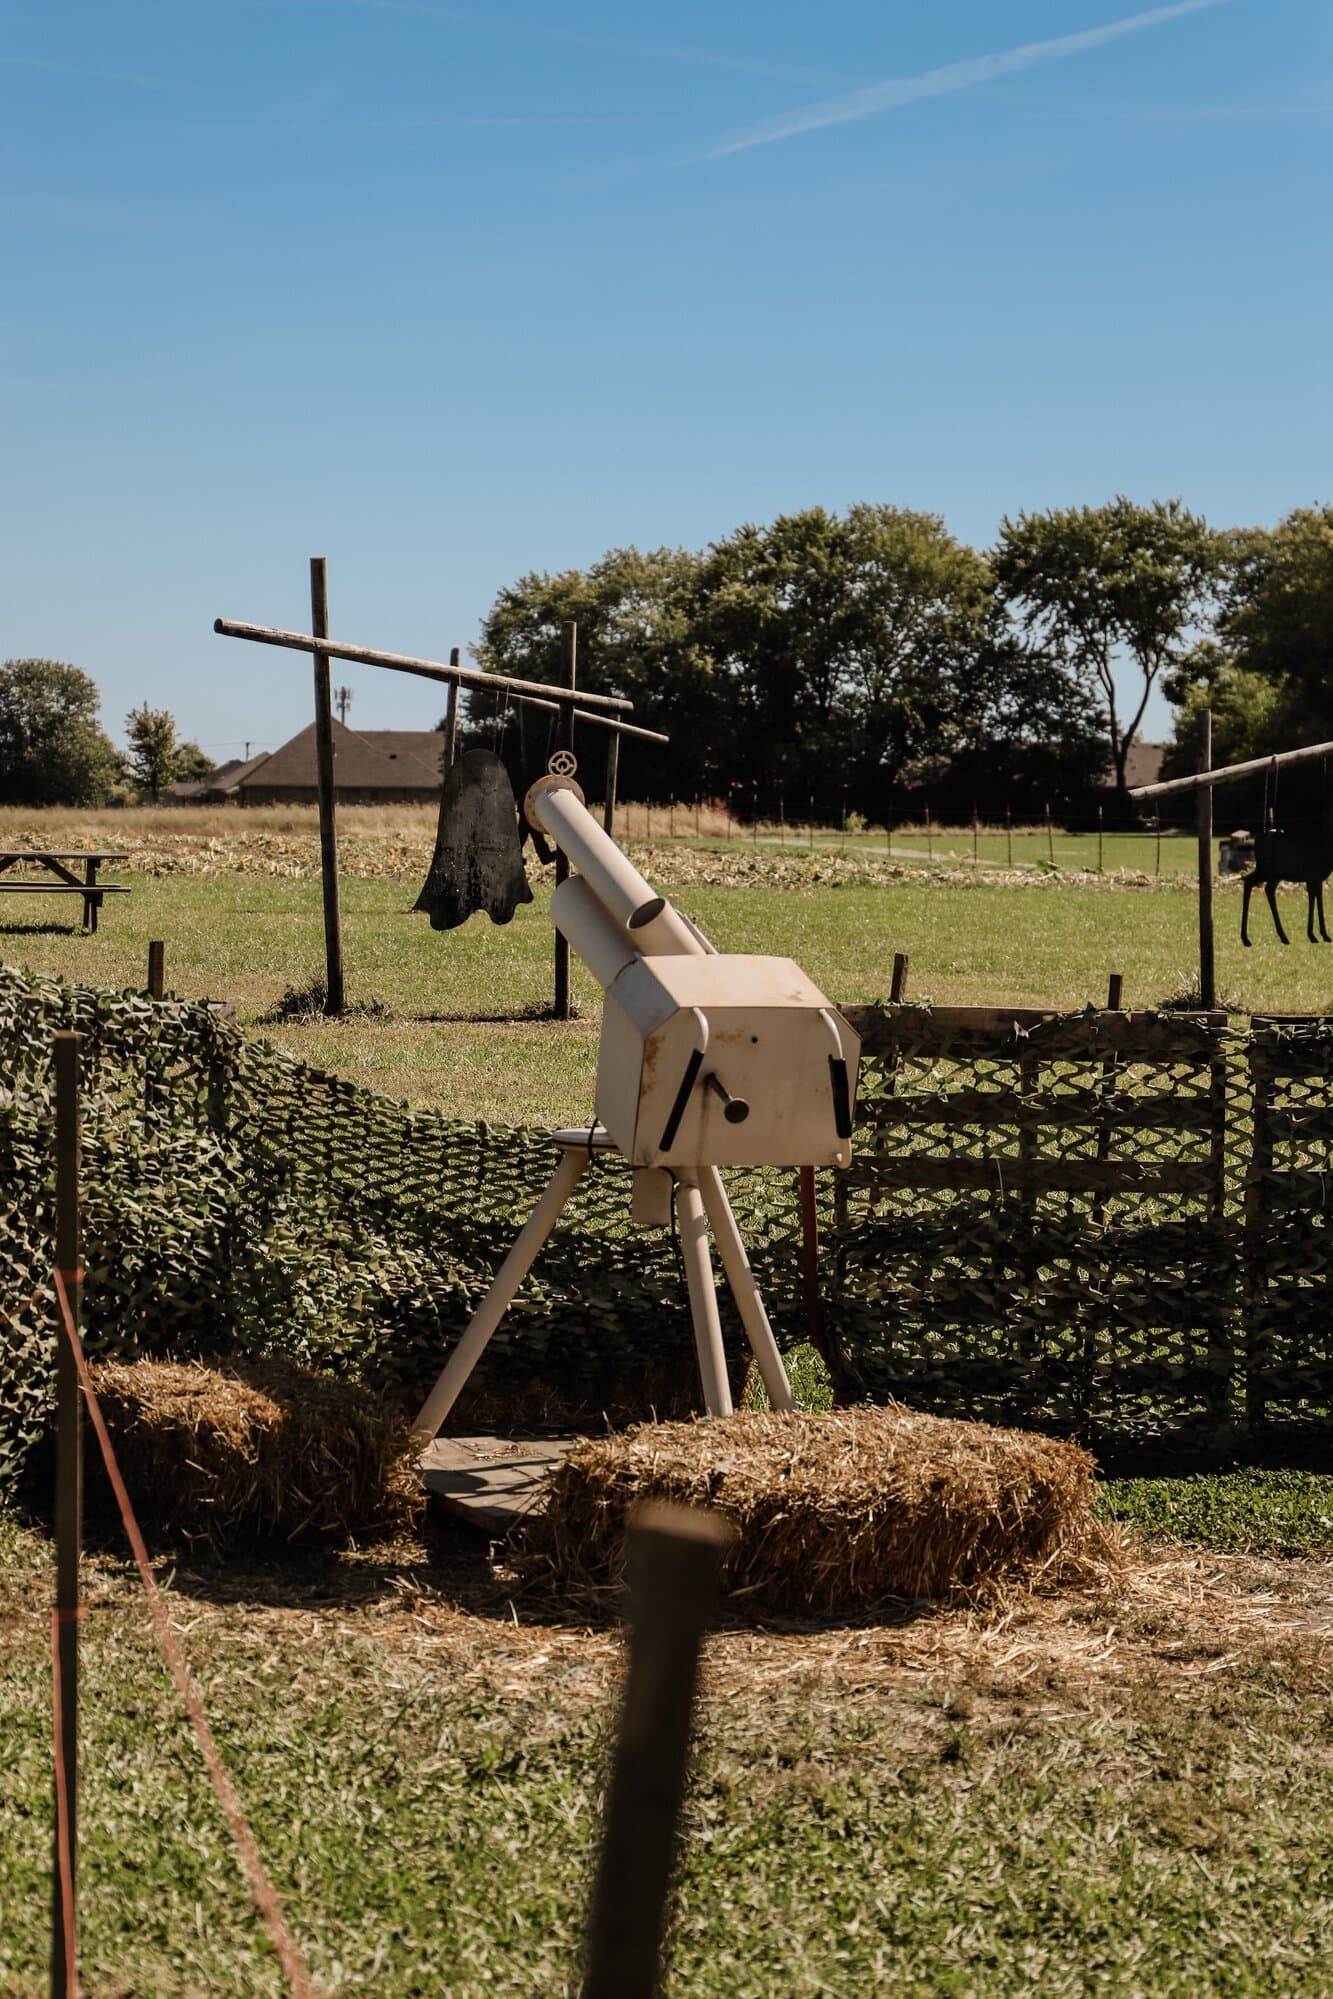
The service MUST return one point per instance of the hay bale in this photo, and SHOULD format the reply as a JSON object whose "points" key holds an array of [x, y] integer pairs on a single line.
{"points": [[260, 1453], [833, 1513]]}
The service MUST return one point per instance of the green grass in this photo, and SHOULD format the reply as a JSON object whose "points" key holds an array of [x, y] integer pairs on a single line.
{"points": [[425, 1784], [248, 939], [1243, 1512]]}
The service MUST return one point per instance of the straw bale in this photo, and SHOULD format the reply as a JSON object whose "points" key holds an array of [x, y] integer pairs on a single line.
{"points": [[260, 1453], [833, 1513]]}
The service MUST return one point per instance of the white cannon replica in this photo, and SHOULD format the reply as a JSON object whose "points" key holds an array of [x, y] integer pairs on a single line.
{"points": [[707, 1059]]}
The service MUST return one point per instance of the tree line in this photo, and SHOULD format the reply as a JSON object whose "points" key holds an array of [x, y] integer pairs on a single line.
{"points": [[54, 750], [871, 661]]}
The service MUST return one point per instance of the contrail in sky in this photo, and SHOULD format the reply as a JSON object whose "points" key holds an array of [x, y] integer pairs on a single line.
{"points": [[942, 82]]}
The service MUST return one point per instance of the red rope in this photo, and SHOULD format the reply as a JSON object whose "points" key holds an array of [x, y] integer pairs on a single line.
{"points": [[261, 1888], [64, 1847]]}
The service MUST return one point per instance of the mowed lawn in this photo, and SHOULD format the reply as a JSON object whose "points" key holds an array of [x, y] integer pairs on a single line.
{"points": [[1127, 1794], [460, 1033]]}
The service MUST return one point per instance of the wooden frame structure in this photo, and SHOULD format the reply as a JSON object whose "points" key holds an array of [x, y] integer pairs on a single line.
{"points": [[603, 710], [1201, 787]]}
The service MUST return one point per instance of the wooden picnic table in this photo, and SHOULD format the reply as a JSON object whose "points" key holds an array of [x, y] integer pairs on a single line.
{"points": [[55, 861]]}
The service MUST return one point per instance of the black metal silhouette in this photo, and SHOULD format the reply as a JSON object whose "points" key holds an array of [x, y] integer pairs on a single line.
{"points": [[478, 863], [1289, 857]]}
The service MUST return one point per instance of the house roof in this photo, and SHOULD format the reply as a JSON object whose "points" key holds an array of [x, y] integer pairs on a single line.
{"points": [[363, 760], [1143, 765]]}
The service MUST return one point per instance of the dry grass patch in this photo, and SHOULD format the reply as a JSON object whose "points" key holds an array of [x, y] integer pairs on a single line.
{"points": [[835, 1513], [266, 1452]]}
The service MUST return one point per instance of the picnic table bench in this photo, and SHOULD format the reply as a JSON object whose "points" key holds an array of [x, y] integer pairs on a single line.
{"points": [[65, 882]]}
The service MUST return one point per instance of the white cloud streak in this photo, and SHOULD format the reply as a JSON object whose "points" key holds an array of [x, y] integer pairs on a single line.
{"points": [[954, 76]]}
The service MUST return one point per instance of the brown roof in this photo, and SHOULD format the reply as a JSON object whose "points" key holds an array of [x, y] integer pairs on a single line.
{"points": [[363, 760]]}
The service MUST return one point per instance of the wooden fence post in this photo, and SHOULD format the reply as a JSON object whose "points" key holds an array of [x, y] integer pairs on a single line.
{"points": [[612, 772], [69, 1530], [570, 635], [674, 1555], [1204, 811], [335, 999], [157, 970]]}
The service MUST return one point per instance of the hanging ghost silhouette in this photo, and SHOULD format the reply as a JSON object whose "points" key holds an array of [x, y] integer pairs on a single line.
{"points": [[478, 863]]}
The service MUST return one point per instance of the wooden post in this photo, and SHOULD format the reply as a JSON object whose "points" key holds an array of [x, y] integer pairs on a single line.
{"points": [[1204, 810], [898, 984], [69, 1528], [334, 995], [1099, 839], [974, 834], [674, 1555], [451, 719], [1008, 837], [570, 637], [930, 835], [814, 1322], [1050, 838], [612, 774], [157, 970]]}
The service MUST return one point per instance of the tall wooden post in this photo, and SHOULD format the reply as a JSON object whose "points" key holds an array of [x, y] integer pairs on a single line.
{"points": [[334, 994], [69, 1529], [451, 718], [612, 773], [570, 635], [1203, 800], [157, 969], [674, 1556]]}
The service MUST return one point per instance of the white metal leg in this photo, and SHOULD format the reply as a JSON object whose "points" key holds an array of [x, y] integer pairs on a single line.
{"points": [[703, 1296], [505, 1283], [746, 1292]]}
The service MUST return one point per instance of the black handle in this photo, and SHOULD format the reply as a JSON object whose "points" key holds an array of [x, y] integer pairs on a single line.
{"points": [[842, 1096]]}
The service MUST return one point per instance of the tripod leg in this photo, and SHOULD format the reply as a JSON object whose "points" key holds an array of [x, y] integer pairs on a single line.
{"points": [[744, 1289], [703, 1296], [503, 1286]]}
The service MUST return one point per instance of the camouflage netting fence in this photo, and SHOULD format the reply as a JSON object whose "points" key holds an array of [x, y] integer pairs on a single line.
{"points": [[1117, 1222], [1104, 1221], [238, 1201]]}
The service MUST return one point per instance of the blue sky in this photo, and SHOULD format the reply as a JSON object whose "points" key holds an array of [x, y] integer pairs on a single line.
{"points": [[449, 293]]}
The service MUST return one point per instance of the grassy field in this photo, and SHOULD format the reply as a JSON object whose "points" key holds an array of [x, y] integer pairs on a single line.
{"points": [[1124, 1793], [462, 1031]]}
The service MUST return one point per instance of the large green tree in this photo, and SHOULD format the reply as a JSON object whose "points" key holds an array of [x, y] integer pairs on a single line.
{"points": [[635, 614], [53, 750], [1277, 621], [852, 644], [1110, 592]]}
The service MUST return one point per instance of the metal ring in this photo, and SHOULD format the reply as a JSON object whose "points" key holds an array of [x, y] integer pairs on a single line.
{"points": [[564, 763]]}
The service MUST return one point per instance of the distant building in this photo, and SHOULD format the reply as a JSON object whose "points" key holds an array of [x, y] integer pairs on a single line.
{"points": [[370, 767], [1143, 765]]}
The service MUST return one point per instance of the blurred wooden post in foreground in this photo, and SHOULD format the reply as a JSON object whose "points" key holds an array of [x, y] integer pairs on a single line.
{"points": [[674, 1556], [69, 1530], [334, 995], [157, 970]]}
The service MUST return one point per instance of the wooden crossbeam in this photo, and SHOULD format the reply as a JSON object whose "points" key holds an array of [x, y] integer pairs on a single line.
{"points": [[1227, 773], [425, 669]]}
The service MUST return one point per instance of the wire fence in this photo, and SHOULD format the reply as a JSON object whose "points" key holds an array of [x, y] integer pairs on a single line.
{"points": [[1104, 1221]]}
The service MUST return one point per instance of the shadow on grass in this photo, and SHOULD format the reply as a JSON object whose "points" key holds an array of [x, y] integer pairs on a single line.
{"points": [[43, 930], [516, 1016]]}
